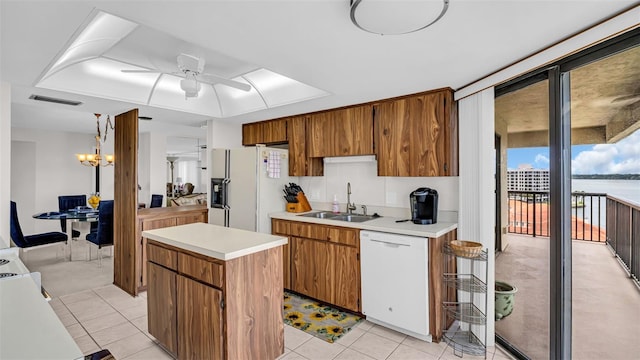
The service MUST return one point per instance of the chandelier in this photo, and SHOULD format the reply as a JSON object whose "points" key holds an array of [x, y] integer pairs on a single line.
{"points": [[96, 159]]}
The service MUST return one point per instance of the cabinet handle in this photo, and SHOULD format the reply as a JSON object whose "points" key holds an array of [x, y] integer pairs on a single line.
{"points": [[222, 303]]}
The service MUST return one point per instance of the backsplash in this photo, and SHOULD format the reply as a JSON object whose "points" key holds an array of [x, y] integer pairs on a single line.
{"points": [[385, 195]]}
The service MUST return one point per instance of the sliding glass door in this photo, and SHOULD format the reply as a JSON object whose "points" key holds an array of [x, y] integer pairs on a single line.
{"points": [[592, 100]]}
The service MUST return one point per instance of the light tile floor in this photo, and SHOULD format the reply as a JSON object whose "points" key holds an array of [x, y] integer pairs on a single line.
{"points": [[108, 318]]}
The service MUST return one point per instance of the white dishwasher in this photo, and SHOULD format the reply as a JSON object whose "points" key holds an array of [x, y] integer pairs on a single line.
{"points": [[395, 292]]}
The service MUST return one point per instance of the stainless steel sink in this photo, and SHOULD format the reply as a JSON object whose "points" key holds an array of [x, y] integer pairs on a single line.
{"points": [[353, 217], [340, 217], [320, 215]]}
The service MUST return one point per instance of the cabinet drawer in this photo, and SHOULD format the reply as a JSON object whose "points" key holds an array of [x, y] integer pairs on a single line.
{"points": [[203, 270], [309, 231], [161, 256], [343, 236], [280, 227]]}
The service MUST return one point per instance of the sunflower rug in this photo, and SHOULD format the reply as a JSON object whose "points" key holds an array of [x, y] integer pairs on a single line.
{"points": [[314, 318]]}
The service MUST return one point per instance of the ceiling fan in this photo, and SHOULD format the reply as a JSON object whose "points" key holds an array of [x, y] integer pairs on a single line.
{"points": [[191, 69]]}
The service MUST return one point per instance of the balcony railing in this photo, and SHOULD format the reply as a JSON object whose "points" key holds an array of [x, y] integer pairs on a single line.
{"points": [[623, 234], [529, 214]]}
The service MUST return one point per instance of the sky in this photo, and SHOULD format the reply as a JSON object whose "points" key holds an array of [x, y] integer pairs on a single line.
{"points": [[622, 157]]}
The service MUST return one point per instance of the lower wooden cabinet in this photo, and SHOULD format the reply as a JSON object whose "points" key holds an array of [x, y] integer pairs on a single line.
{"points": [[323, 262], [282, 228], [204, 308], [200, 329], [161, 300]]}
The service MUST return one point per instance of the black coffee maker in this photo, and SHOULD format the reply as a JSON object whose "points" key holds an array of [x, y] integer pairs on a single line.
{"points": [[424, 206]]}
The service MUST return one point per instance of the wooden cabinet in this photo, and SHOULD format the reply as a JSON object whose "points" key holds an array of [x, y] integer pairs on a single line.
{"points": [[414, 135], [324, 262], [342, 132], [265, 132], [299, 163], [417, 135], [155, 218], [200, 329], [161, 301], [205, 308], [282, 228]]}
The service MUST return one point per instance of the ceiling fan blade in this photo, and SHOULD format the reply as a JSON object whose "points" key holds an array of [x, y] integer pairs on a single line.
{"points": [[140, 71], [213, 79]]}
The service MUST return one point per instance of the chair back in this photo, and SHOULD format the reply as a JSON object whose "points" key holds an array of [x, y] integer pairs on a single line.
{"points": [[104, 236], [67, 202], [156, 200], [16, 232]]}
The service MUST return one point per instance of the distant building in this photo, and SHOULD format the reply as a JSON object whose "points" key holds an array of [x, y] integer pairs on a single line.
{"points": [[526, 178]]}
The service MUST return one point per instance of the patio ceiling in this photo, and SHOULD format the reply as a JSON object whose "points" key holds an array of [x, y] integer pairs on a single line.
{"points": [[605, 104]]}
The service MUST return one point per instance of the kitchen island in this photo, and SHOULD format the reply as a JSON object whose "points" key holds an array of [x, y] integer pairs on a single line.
{"points": [[215, 292]]}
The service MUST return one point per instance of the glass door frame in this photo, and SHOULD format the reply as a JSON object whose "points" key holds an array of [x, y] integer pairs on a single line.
{"points": [[560, 319]]}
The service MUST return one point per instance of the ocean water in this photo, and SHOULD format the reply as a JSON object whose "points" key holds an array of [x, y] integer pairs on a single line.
{"points": [[628, 190]]}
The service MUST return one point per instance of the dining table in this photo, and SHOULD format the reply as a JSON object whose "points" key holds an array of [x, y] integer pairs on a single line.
{"points": [[80, 214]]}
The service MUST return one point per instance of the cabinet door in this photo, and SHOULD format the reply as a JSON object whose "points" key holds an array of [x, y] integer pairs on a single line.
{"points": [[320, 134], [161, 307], [353, 131], [343, 132], [274, 131], [311, 268], [251, 134], [150, 225], [414, 136], [282, 228], [200, 322], [300, 164], [346, 276]]}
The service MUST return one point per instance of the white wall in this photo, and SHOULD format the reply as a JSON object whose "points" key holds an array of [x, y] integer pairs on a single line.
{"points": [[152, 166], [223, 135], [376, 192], [57, 172], [5, 158]]}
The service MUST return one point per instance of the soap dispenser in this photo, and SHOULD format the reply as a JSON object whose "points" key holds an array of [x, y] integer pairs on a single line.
{"points": [[335, 208]]}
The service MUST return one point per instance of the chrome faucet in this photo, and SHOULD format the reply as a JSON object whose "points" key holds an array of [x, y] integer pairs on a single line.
{"points": [[350, 206]]}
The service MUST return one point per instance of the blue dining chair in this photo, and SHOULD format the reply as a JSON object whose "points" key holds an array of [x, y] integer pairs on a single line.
{"points": [[68, 202], [103, 236], [28, 241], [156, 200]]}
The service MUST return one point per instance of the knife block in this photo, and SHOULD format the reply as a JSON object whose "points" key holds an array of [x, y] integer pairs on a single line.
{"points": [[301, 206]]}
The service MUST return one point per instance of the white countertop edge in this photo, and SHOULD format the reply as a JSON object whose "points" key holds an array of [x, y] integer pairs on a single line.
{"points": [[382, 224], [216, 254], [30, 327]]}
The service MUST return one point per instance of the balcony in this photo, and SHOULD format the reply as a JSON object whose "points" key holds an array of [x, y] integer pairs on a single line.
{"points": [[606, 319]]}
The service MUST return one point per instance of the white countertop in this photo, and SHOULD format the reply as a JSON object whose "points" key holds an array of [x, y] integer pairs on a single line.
{"points": [[29, 328], [384, 224], [215, 241]]}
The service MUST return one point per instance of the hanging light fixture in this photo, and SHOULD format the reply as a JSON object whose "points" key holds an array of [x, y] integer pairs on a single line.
{"points": [[97, 159], [396, 17]]}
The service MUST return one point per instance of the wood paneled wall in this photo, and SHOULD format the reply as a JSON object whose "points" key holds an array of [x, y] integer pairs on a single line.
{"points": [[125, 195]]}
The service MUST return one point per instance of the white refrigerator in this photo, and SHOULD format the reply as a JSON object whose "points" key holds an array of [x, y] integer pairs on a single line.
{"points": [[245, 188]]}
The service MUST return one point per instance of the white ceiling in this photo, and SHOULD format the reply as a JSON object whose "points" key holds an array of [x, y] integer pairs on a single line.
{"points": [[311, 41]]}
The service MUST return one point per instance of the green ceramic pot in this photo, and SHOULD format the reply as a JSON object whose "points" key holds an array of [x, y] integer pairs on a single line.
{"points": [[505, 294]]}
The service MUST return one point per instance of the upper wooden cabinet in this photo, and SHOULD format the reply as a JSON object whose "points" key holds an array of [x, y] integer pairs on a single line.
{"points": [[417, 135], [414, 135], [265, 132], [342, 132], [299, 163]]}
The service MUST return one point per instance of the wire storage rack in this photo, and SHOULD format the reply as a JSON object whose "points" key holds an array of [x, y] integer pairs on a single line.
{"points": [[465, 302]]}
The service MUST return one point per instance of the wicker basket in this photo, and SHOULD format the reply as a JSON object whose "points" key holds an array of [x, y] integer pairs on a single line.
{"points": [[466, 248]]}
